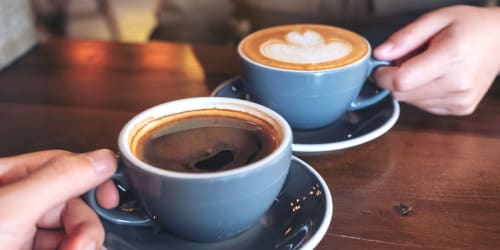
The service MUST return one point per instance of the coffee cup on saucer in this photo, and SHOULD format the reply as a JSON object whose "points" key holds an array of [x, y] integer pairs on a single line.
{"points": [[204, 169], [310, 74]]}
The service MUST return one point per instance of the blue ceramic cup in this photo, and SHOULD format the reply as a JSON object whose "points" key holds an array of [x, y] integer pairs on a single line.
{"points": [[310, 74], [201, 206]]}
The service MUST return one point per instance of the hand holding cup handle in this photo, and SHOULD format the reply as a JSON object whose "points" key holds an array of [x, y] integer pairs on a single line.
{"points": [[201, 204], [363, 102], [132, 216]]}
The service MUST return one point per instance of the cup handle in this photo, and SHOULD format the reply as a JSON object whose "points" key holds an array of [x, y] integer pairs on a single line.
{"points": [[364, 102], [129, 216]]}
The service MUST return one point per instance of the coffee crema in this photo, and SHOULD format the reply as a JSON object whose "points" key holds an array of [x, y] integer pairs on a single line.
{"points": [[304, 47], [208, 140]]}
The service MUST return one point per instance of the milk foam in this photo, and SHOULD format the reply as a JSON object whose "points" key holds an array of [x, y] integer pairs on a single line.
{"points": [[306, 48]]}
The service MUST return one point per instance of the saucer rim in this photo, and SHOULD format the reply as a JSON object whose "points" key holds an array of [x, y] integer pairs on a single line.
{"points": [[349, 143], [304, 149], [327, 218]]}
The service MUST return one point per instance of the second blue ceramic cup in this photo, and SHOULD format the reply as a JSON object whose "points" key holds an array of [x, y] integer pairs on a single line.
{"points": [[305, 88]]}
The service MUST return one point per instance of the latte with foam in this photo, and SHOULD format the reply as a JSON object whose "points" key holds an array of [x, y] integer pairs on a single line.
{"points": [[304, 47]]}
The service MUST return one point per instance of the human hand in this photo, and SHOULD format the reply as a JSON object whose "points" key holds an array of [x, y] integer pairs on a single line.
{"points": [[40, 205], [446, 59]]}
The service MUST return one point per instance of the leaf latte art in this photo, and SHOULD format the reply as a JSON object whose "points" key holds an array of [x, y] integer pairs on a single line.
{"points": [[309, 47], [306, 48]]}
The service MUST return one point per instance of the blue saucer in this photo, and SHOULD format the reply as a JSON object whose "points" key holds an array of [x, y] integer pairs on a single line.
{"points": [[354, 128], [299, 218]]}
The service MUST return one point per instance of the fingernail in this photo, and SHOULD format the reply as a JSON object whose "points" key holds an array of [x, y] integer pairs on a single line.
{"points": [[90, 246], [385, 47], [103, 159]]}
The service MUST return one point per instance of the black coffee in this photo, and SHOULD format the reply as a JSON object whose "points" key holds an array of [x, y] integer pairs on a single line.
{"points": [[205, 141]]}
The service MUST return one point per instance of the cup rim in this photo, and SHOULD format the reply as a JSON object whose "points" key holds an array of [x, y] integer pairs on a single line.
{"points": [[360, 60], [181, 105]]}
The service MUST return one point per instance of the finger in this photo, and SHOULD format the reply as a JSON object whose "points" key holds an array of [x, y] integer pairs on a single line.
{"points": [[412, 36], [402, 78], [47, 239], [438, 111], [52, 218], [83, 228], [433, 106], [16, 167], [430, 65], [459, 103], [58, 180], [27, 242], [107, 195], [438, 88], [420, 70], [384, 77]]}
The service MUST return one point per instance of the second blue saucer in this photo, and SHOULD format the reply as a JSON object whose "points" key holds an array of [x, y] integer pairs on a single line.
{"points": [[354, 128]]}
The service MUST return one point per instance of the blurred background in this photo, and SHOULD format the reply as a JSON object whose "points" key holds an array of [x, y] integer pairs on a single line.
{"points": [[221, 22]]}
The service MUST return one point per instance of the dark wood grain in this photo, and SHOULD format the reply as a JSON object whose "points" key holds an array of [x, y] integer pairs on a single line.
{"points": [[76, 95]]}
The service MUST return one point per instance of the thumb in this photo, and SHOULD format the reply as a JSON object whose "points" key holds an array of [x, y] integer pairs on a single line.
{"points": [[413, 36], [60, 179]]}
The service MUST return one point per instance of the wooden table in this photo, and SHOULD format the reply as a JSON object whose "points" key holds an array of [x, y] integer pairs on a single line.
{"points": [[76, 95]]}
